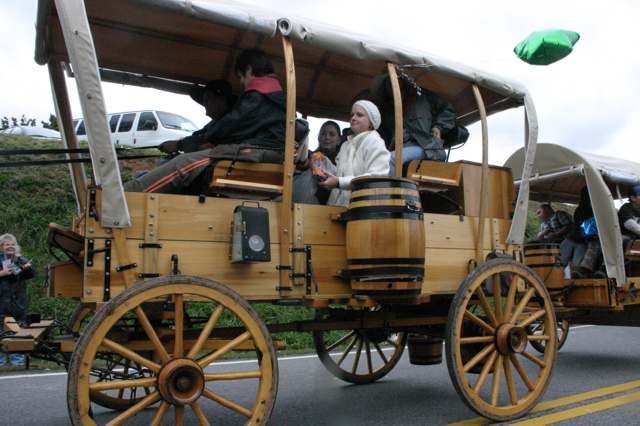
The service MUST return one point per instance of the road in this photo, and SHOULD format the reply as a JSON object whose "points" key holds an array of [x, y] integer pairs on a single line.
{"points": [[596, 381]]}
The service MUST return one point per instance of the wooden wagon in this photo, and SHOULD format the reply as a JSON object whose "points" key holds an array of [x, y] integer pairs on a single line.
{"points": [[167, 282]]}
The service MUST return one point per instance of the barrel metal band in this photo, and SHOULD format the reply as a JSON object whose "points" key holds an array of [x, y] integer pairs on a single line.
{"points": [[382, 212], [359, 186], [385, 197]]}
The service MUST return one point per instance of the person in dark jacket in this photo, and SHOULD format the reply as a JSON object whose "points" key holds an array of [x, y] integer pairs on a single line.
{"points": [[15, 272], [253, 131], [426, 117], [217, 99]]}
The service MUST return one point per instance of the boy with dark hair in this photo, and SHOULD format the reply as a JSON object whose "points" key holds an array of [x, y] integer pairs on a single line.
{"points": [[253, 131]]}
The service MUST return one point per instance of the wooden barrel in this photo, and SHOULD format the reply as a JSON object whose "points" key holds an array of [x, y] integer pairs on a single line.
{"points": [[424, 350], [546, 261], [385, 237]]}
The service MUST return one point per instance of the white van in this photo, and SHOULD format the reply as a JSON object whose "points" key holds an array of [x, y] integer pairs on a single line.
{"points": [[142, 128]]}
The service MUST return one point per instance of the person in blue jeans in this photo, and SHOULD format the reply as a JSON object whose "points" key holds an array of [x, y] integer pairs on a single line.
{"points": [[15, 272], [425, 118]]}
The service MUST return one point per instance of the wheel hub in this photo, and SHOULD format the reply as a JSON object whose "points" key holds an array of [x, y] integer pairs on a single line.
{"points": [[181, 381], [511, 339]]}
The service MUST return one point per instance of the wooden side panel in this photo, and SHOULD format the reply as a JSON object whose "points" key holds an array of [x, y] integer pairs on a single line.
{"points": [[65, 279], [588, 292]]}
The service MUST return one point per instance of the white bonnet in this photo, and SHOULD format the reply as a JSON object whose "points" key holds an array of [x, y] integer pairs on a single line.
{"points": [[372, 112]]}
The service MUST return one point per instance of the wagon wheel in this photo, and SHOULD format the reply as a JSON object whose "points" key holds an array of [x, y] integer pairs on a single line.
{"points": [[359, 355], [518, 380], [562, 330], [80, 316], [183, 366]]}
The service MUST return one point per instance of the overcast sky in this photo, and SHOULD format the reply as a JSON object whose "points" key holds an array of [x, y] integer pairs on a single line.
{"points": [[586, 101]]}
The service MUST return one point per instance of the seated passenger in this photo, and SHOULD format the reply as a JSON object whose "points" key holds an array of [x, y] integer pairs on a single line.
{"points": [[426, 117], [217, 99], [555, 224], [253, 131], [582, 245], [629, 216], [363, 154]]}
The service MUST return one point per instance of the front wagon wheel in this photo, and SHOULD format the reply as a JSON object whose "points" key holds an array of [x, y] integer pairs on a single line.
{"points": [[487, 343]]}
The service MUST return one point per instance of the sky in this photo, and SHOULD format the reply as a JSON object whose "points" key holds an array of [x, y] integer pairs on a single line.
{"points": [[586, 101]]}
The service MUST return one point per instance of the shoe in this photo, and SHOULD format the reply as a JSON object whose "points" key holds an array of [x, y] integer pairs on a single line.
{"points": [[600, 274], [576, 275]]}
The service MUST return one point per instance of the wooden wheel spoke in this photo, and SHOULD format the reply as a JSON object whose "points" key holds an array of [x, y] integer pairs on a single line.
{"points": [[484, 373], [479, 357], [508, 375], [102, 386], [224, 349], [178, 348], [151, 333], [236, 375], [511, 296], [521, 372], [497, 297], [369, 364], [532, 318], [538, 362], [341, 340], [393, 342], [179, 410], [538, 337], [478, 339], [144, 403], [127, 353], [382, 355], [478, 321], [348, 349], [206, 332], [226, 403], [197, 410], [521, 305], [356, 360], [162, 410], [497, 377], [493, 321]]}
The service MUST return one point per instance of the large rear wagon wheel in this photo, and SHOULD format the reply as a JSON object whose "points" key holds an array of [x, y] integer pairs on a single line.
{"points": [[502, 380], [562, 330], [171, 359]]}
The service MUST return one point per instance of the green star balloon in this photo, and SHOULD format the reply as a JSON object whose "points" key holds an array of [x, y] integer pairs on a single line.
{"points": [[546, 47]]}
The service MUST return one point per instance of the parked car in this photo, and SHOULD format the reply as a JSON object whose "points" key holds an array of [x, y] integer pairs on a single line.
{"points": [[143, 128], [33, 131]]}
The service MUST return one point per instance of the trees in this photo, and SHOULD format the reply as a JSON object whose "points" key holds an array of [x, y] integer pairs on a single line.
{"points": [[24, 121]]}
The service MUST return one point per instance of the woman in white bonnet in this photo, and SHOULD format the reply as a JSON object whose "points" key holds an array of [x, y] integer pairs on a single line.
{"points": [[363, 154]]}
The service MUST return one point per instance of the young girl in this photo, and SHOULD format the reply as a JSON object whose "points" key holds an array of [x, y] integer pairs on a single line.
{"points": [[363, 154]]}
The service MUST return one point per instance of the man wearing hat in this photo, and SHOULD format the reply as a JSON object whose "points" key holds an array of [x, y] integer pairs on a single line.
{"points": [[217, 99], [629, 216], [426, 117], [253, 131]]}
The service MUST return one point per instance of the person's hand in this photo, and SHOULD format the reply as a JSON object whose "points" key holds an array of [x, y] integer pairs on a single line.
{"points": [[205, 146], [5, 272], [26, 265], [330, 182], [436, 132], [168, 147]]}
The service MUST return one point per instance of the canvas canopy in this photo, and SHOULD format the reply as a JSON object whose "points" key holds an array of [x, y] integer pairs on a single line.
{"points": [[174, 44], [559, 173]]}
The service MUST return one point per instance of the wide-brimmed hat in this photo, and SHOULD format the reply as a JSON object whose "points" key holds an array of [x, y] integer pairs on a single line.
{"points": [[218, 87]]}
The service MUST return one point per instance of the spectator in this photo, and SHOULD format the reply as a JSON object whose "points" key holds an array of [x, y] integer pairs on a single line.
{"points": [[15, 272], [363, 154], [253, 131], [426, 117]]}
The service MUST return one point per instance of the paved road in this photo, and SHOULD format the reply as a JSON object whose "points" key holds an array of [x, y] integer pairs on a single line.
{"points": [[596, 382]]}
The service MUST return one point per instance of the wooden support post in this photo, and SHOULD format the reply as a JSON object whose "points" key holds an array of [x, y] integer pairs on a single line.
{"points": [[285, 225], [399, 119], [484, 184], [65, 123]]}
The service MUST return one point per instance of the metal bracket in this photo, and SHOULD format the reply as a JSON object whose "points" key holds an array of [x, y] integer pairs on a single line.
{"points": [[284, 288], [125, 267], [93, 211], [284, 267], [149, 275], [150, 245], [91, 251]]}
